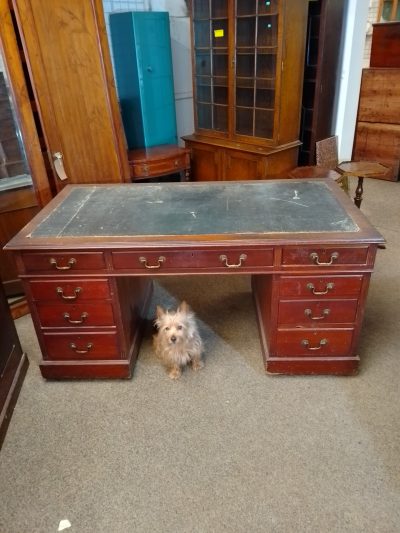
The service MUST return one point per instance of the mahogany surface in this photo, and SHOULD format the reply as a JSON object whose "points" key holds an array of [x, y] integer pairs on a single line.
{"points": [[310, 268], [385, 46]]}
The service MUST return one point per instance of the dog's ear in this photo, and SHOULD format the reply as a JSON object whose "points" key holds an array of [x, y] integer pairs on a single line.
{"points": [[184, 308], [159, 311]]}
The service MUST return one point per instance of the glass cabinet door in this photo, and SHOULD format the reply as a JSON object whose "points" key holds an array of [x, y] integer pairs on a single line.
{"points": [[210, 27], [389, 10], [255, 59]]}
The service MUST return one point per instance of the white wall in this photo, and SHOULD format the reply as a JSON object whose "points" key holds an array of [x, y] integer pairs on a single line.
{"points": [[350, 75]]}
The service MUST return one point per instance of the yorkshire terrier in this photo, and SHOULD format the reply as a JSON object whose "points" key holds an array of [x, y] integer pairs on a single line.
{"points": [[177, 342]]}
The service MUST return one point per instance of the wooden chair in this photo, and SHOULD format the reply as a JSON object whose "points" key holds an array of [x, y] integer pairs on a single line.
{"points": [[328, 166], [327, 161]]}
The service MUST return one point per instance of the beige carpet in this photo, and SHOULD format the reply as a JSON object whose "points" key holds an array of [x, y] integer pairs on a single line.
{"points": [[228, 449]]}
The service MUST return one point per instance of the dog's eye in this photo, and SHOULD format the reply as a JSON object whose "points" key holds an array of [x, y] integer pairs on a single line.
{"points": [[178, 327], [167, 328]]}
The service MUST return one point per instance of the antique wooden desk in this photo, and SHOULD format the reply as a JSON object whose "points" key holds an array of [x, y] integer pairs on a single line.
{"points": [[88, 257]]}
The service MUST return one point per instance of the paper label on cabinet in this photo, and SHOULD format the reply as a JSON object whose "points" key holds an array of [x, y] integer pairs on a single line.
{"points": [[218, 33]]}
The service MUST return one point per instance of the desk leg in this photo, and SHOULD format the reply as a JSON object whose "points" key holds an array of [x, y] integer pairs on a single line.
{"points": [[359, 192]]}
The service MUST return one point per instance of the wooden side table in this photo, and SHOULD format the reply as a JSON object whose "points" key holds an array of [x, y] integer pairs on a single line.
{"points": [[159, 161], [361, 170]]}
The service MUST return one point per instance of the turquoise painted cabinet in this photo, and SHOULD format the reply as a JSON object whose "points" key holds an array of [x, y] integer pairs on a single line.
{"points": [[141, 47]]}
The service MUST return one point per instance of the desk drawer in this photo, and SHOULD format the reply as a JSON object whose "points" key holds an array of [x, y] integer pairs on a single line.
{"points": [[82, 346], [238, 259], [324, 257], [79, 315], [67, 262], [314, 343], [317, 313], [320, 286], [70, 290]]}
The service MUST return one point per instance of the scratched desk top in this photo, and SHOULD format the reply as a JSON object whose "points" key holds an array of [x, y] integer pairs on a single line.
{"points": [[202, 208]]}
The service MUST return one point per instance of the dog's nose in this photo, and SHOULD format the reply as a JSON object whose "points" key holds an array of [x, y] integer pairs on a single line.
{"points": [[173, 338]]}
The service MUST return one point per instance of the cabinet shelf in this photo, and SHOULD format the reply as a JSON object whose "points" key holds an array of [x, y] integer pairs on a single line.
{"points": [[255, 108], [207, 102], [259, 15], [267, 50]]}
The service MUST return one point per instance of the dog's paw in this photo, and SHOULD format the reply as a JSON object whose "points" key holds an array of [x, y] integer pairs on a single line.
{"points": [[175, 373], [197, 364]]}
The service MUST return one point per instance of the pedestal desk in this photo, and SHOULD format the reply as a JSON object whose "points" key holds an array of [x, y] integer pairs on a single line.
{"points": [[87, 261]]}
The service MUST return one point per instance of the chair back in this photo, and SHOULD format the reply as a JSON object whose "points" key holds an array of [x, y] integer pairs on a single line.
{"points": [[326, 152]]}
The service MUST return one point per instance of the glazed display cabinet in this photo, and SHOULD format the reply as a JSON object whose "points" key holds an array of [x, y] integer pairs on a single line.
{"points": [[248, 60]]}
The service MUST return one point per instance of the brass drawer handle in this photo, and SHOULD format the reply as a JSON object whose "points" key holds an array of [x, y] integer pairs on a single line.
{"points": [[74, 347], [160, 260], [60, 292], [84, 316], [315, 258], [325, 313], [70, 264], [224, 259], [329, 287], [306, 344]]}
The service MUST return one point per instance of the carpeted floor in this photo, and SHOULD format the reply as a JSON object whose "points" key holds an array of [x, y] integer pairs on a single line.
{"points": [[227, 449]]}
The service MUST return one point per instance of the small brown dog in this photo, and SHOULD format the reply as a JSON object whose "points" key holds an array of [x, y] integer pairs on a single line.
{"points": [[178, 341]]}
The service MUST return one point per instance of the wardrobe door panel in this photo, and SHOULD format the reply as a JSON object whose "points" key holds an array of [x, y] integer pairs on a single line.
{"points": [[67, 54]]}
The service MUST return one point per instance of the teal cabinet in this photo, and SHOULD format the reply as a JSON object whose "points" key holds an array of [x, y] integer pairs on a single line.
{"points": [[141, 47]]}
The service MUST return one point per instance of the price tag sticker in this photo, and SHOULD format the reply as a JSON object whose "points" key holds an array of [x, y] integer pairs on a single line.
{"points": [[218, 33]]}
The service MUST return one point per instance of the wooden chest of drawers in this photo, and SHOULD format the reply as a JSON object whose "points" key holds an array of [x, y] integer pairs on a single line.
{"points": [[377, 136], [159, 161]]}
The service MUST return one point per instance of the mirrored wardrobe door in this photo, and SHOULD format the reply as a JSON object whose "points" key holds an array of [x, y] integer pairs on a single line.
{"points": [[24, 186]]}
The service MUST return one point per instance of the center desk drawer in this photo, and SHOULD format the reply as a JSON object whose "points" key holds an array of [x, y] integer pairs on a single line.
{"points": [[75, 315], [66, 262], [324, 257], [70, 290], [229, 259], [82, 346]]}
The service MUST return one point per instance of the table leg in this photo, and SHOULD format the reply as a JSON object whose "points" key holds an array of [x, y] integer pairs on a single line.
{"points": [[185, 174], [359, 192]]}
